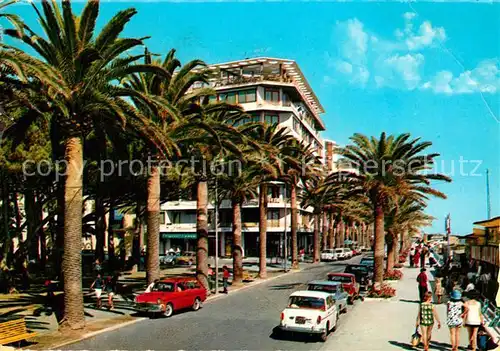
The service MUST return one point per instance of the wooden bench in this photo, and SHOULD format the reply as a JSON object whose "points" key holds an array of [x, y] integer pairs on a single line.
{"points": [[14, 330]]}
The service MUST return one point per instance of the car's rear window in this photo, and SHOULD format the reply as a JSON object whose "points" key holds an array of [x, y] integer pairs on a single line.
{"points": [[306, 302], [339, 250], [320, 287], [339, 278]]}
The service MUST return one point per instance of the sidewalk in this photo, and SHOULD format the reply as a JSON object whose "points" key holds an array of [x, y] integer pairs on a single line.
{"points": [[388, 325]]}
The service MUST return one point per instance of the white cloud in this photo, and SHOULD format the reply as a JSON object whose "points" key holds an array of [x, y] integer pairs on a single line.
{"points": [[343, 67], [403, 69], [409, 15], [427, 36], [484, 78]]}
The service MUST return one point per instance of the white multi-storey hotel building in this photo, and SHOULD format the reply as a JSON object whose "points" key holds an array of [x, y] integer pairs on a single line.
{"points": [[272, 91]]}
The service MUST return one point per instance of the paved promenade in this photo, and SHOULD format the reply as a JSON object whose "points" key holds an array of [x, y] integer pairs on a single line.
{"points": [[388, 325]]}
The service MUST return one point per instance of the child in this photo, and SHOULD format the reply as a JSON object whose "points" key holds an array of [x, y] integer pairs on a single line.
{"points": [[455, 317], [425, 319], [97, 286]]}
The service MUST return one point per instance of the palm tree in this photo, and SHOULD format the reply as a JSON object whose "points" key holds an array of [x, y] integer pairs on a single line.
{"points": [[79, 68], [387, 167], [406, 212], [166, 125], [271, 140], [239, 185]]}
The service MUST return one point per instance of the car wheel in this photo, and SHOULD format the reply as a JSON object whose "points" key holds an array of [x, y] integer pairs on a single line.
{"points": [[169, 310], [336, 323], [172, 263], [196, 304], [324, 335]]}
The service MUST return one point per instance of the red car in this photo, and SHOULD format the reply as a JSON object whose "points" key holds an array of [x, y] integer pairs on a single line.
{"points": [[348, 283], [170, 295]]}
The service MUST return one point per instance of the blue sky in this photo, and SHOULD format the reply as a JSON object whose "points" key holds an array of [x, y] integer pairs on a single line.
{"points": [[431, 69]]}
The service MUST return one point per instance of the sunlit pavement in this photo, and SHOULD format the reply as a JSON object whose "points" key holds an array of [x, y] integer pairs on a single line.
{"points": [[242, 320]]}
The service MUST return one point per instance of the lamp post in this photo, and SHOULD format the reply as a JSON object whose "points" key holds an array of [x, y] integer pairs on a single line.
{"points": [[216, 238], [285, 241]]}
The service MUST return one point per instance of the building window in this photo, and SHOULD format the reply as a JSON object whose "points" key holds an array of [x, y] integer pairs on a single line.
{"points": [[162, 217], [271, 119], [222, 97], [245, 96], [273, 218], [255, 117], [212, 99], [286, 100], [296, 125], [272, 95], [273, 191], [231, 98]]}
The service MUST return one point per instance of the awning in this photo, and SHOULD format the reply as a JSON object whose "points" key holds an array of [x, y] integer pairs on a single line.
{"points": [[348, 242], [165, 236]]}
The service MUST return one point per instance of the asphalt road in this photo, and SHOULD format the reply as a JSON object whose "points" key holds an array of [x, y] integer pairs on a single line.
{"points": [[242, 320]]}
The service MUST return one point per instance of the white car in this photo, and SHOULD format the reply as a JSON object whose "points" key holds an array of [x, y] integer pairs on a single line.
{"points": [[347, 253], [340, 254], [311, 312], [328, 255]]}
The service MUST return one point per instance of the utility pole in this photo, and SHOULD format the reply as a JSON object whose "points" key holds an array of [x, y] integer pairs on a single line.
{"points": [[285, 243], [488, 201], [448, 232], [216, 237]]}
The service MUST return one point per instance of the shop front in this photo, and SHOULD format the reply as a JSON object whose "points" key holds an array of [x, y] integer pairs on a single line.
{"points": [[183, 241]]}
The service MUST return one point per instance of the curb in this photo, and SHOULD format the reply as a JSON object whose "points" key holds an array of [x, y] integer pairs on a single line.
{"points": [[97, 332]]}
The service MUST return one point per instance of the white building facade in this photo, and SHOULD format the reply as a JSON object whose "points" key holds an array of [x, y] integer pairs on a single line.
{"points": [[272, 91]]}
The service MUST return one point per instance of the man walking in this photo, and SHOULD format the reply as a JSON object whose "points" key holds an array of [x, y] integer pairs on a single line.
{"points": [[225, 278], [422, 284]]}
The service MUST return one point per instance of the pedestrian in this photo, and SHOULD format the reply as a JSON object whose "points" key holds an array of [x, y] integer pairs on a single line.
{"points": [[97, 285], [416, 258], [210, 277], [455, 312], [412, 256], [474, 317], [422, 284], [97, 266], [423, 254], [110, 288], [151, 286], [426, 317], [178, 250], [438, 289], [225, 278]]}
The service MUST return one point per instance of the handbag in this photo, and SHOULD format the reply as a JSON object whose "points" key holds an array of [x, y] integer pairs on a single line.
{"points": [[415, 338]]}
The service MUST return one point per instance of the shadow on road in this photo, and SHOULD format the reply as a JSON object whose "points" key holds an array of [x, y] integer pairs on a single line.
{"points": [[278, 334], [285, 286], [402, 345]]}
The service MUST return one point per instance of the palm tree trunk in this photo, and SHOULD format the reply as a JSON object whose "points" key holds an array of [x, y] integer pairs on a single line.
{"points": [[30, 212], [316, 257], [153, 223], [202, 233], [338, 233], [263, 231], [136, 245], [237, 250], [41, 234], [293, 225], [325, 231], [331, 231], [100, 227], [72, 258], [111, 234], [378, 270], [391, 249]]}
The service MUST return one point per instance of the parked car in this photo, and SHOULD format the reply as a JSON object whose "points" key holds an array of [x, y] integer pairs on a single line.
{"points": [[340, 254], [169, 259], [363, 274], [347, 253], [311, 312], [367, 261], [328, 255], [334, 288], [187, 258], [348, 282], [171, 295]]}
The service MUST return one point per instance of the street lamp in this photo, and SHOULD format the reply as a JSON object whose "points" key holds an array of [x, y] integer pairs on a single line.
{"points": [[216, 238], [285, 241]]}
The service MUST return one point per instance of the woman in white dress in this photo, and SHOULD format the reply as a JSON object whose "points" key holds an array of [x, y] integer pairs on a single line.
{"points": [[474, 317]]}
